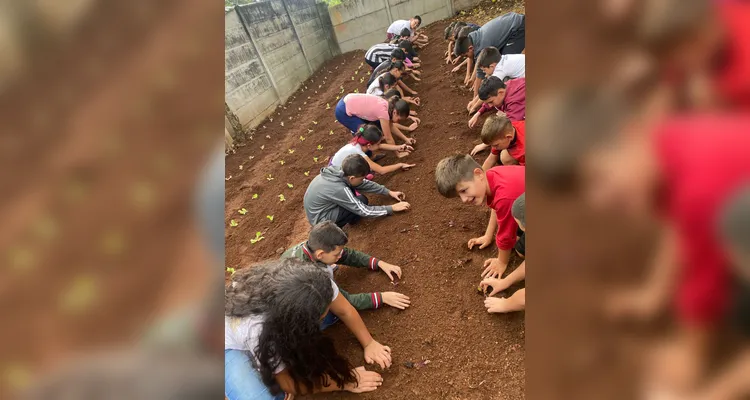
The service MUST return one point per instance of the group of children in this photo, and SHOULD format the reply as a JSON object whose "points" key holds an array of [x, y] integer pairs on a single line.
{"points": [[275, 312]]}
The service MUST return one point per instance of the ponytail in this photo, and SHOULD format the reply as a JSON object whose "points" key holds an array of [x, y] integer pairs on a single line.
{"points": [[367, 134], [401, 107], [392, 93], [386, 79]]}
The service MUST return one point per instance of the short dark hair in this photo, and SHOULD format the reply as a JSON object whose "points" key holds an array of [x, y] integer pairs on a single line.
{"points": [[419, 19], [449, 29], [452, 170], [519, 209], [463, 41], [488, 56], [355, 165], [405, 32], [408, 48], [489, 87], [326, 236], [386, 79], [398, 54], [399, 65]]}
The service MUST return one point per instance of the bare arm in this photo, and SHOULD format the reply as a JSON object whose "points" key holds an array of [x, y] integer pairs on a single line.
{"points": [[492, 225], [517, 275], [347, 313], [398, 133], [402, 85], [489, 162], [386, 125], [732, 383]]}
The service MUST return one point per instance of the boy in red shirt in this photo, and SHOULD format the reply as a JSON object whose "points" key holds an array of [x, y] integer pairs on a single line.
{"points": [[508, 97], [461, 176], [506, 139], [683, 173]]}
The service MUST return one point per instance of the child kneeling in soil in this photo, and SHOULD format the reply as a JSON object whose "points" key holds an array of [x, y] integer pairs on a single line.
{"points": [[368, 139], [505, 67], [508, 97], [517, 301], [333, 196], [273, 343], [506, 139], [325, 248], [498, 188], [356, 109]]}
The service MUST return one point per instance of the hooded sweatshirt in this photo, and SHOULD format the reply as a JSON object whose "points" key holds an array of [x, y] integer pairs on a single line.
{"points": [[330, 194]]}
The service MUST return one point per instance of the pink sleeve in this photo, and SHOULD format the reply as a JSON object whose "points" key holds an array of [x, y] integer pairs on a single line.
{"points": [[484, 108], [408, 62]]}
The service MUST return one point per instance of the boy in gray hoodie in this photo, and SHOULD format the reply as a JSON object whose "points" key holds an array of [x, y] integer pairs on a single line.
{"points": [[331, 196]]}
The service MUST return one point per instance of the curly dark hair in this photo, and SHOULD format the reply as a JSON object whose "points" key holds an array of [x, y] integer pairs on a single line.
{"points": [[292, 295]]}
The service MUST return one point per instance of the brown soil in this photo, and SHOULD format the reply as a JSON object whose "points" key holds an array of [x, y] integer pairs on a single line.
{"points": [[473, 355]]}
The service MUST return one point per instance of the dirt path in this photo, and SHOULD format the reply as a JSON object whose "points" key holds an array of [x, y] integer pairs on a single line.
{"points": [[473, 355]]}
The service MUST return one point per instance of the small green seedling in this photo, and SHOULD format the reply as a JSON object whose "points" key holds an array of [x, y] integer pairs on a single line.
{"points": [[268, 136], [315, 122], [328, 106], [282, 162], [270, 217], [337, 97], [263, 147], [289, 185], [356, 72], [291, 151], [309, 131], [315, 159], [250, 157], [361, 80], [240, 167], [330, 132], [258, 238], [242, 211], [320, 147], [230, 177], [290, 118], [231, 270], [307, 173], [270, 119], [269, 177], [302, 138], [255, 196], [282, 198], [233, 223], [356, 90]]}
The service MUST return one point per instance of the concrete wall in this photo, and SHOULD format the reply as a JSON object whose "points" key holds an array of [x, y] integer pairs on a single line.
{"points": [[271, 47], [359, 24]]}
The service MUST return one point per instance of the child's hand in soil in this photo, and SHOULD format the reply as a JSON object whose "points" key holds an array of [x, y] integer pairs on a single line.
{"points": [[396, 300], [455, 60], [473, 120], [456, 68], [401, 206], [378, 354], [496, 304], [413, 126], [405, 148], [478, 148], [411, 141], [391, 270], [493, 268], [397, 195], [498, 285], [367, 381], [406, 166], [640, 304], [482, 242], [415, 119]]}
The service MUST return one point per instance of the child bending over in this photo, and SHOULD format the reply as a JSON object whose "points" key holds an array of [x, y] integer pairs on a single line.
{"points": [[506, 140], [461, 176], [496, 95], [368, 139], [517, 301], [333, 196], [273, 341], [325, 248]]}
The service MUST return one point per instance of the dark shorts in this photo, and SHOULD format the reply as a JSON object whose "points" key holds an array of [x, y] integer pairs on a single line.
{"points": [[521, 244], [372, 64], [516, 42]]}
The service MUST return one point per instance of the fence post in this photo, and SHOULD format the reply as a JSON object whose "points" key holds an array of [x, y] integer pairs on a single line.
{"points": [[388, 11], [296, 36], [325, 25], [450, 8], [260, 56]]}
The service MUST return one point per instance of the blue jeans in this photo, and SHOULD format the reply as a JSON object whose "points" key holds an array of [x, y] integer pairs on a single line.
{"points": [[242, 381], [329, 320], [351, 122]]}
